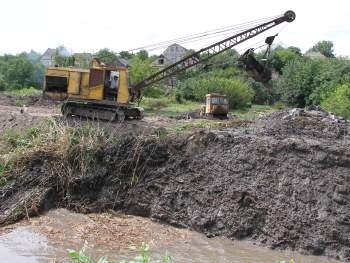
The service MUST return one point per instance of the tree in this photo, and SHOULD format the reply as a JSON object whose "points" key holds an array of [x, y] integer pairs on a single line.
{"points": [[63, 57], [140, 69], [106, 56], [125, 55], [281, 56], [33, 56], [325, 47], [225, 59], [142, 54], [338, 100], [19, 72], [304, 80]]}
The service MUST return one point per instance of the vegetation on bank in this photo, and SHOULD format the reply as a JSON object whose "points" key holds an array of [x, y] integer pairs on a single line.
{"points": [[168, 106], [144, 256], [73, 146], [31, 91], [81, 142]]}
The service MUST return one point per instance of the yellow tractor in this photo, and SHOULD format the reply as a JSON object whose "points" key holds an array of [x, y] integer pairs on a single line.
{"points": [[89, 93], [103, 92], [216, 106]]}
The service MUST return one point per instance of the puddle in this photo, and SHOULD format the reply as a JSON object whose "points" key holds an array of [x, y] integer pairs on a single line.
{"points": [[25, 245], [47, 238]]}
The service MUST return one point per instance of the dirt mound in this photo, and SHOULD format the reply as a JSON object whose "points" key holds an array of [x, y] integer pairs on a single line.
{"points": [[24, 112], [7, 100], [282, 181]]}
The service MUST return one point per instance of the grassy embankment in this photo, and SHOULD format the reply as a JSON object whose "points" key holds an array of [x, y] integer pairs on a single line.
{"points": [[22, 92], [169, 108]]}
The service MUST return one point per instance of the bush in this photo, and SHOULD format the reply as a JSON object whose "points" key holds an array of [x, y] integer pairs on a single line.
{"points": [[304, 80], [338, 101], [239, 93], [153, 92], [278, 105], [178, 97], [155, 104], [263, 95]]}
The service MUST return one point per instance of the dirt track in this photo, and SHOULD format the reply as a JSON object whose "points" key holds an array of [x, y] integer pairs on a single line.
{"points": [[283, 181], [13, 115]]}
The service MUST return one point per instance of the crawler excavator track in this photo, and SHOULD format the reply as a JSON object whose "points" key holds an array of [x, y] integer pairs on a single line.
{"points": [[101, 110]]}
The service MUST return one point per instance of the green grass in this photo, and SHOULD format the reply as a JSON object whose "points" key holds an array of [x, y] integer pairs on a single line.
{"points": [[143, 256], [167, 107], [23, 92], [185, 126], [253, 112]]}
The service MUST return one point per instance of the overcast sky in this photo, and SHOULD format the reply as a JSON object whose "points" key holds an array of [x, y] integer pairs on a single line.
{"points": [[87, 26]]}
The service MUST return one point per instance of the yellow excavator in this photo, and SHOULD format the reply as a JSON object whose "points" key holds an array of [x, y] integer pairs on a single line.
{"points": [[90, 93]]}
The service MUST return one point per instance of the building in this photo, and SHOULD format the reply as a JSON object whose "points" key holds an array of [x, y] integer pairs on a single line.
{"points": [[171, 55], [119, 62], [174, 53], [48, 58], [81, 60]]}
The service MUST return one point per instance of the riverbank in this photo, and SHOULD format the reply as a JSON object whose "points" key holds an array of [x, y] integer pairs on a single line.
{"points": [[281, 181]]}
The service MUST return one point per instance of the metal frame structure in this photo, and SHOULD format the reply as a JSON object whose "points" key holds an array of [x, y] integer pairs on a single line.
{"points": [[212, 50]]}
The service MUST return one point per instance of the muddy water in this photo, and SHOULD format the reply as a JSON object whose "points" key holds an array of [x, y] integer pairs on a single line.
{"points": [[46, 239]]}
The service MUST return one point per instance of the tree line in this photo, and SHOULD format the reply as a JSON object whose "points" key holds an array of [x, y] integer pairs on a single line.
{"points": [[21, 71]]}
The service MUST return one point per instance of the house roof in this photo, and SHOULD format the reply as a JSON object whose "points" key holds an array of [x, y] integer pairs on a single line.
{"points": [[176, 45], [49, 53], [118, 62]]}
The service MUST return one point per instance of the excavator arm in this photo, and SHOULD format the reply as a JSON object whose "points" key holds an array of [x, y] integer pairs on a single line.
{"points": [[210, 51]]}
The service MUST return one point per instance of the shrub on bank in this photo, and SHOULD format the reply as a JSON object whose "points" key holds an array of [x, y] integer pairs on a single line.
{"points": [[338, 101], [239, 93], [153, 92]]}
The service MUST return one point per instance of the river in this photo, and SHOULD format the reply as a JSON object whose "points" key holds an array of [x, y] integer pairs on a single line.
{"points": [[47, 238]]}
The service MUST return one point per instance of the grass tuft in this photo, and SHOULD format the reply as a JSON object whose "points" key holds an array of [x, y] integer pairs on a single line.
{"points": [[23, 92]]}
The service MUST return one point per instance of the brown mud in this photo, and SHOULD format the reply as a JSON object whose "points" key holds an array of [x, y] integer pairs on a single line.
{"points": [[282, 181], [24, 112]]}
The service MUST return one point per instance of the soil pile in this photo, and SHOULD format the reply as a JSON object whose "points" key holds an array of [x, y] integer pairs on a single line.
{"points": [[25, 112], [282, 181], [8, 100]]}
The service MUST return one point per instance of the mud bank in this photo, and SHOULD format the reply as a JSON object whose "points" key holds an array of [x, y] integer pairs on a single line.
{"points": [[282, 181]]}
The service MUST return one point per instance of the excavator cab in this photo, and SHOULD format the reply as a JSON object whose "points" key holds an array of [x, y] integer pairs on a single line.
{"points": [[111, 85]]}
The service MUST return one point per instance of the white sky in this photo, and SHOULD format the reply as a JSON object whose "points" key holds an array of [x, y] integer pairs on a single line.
{"points": [[87, 26]]}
